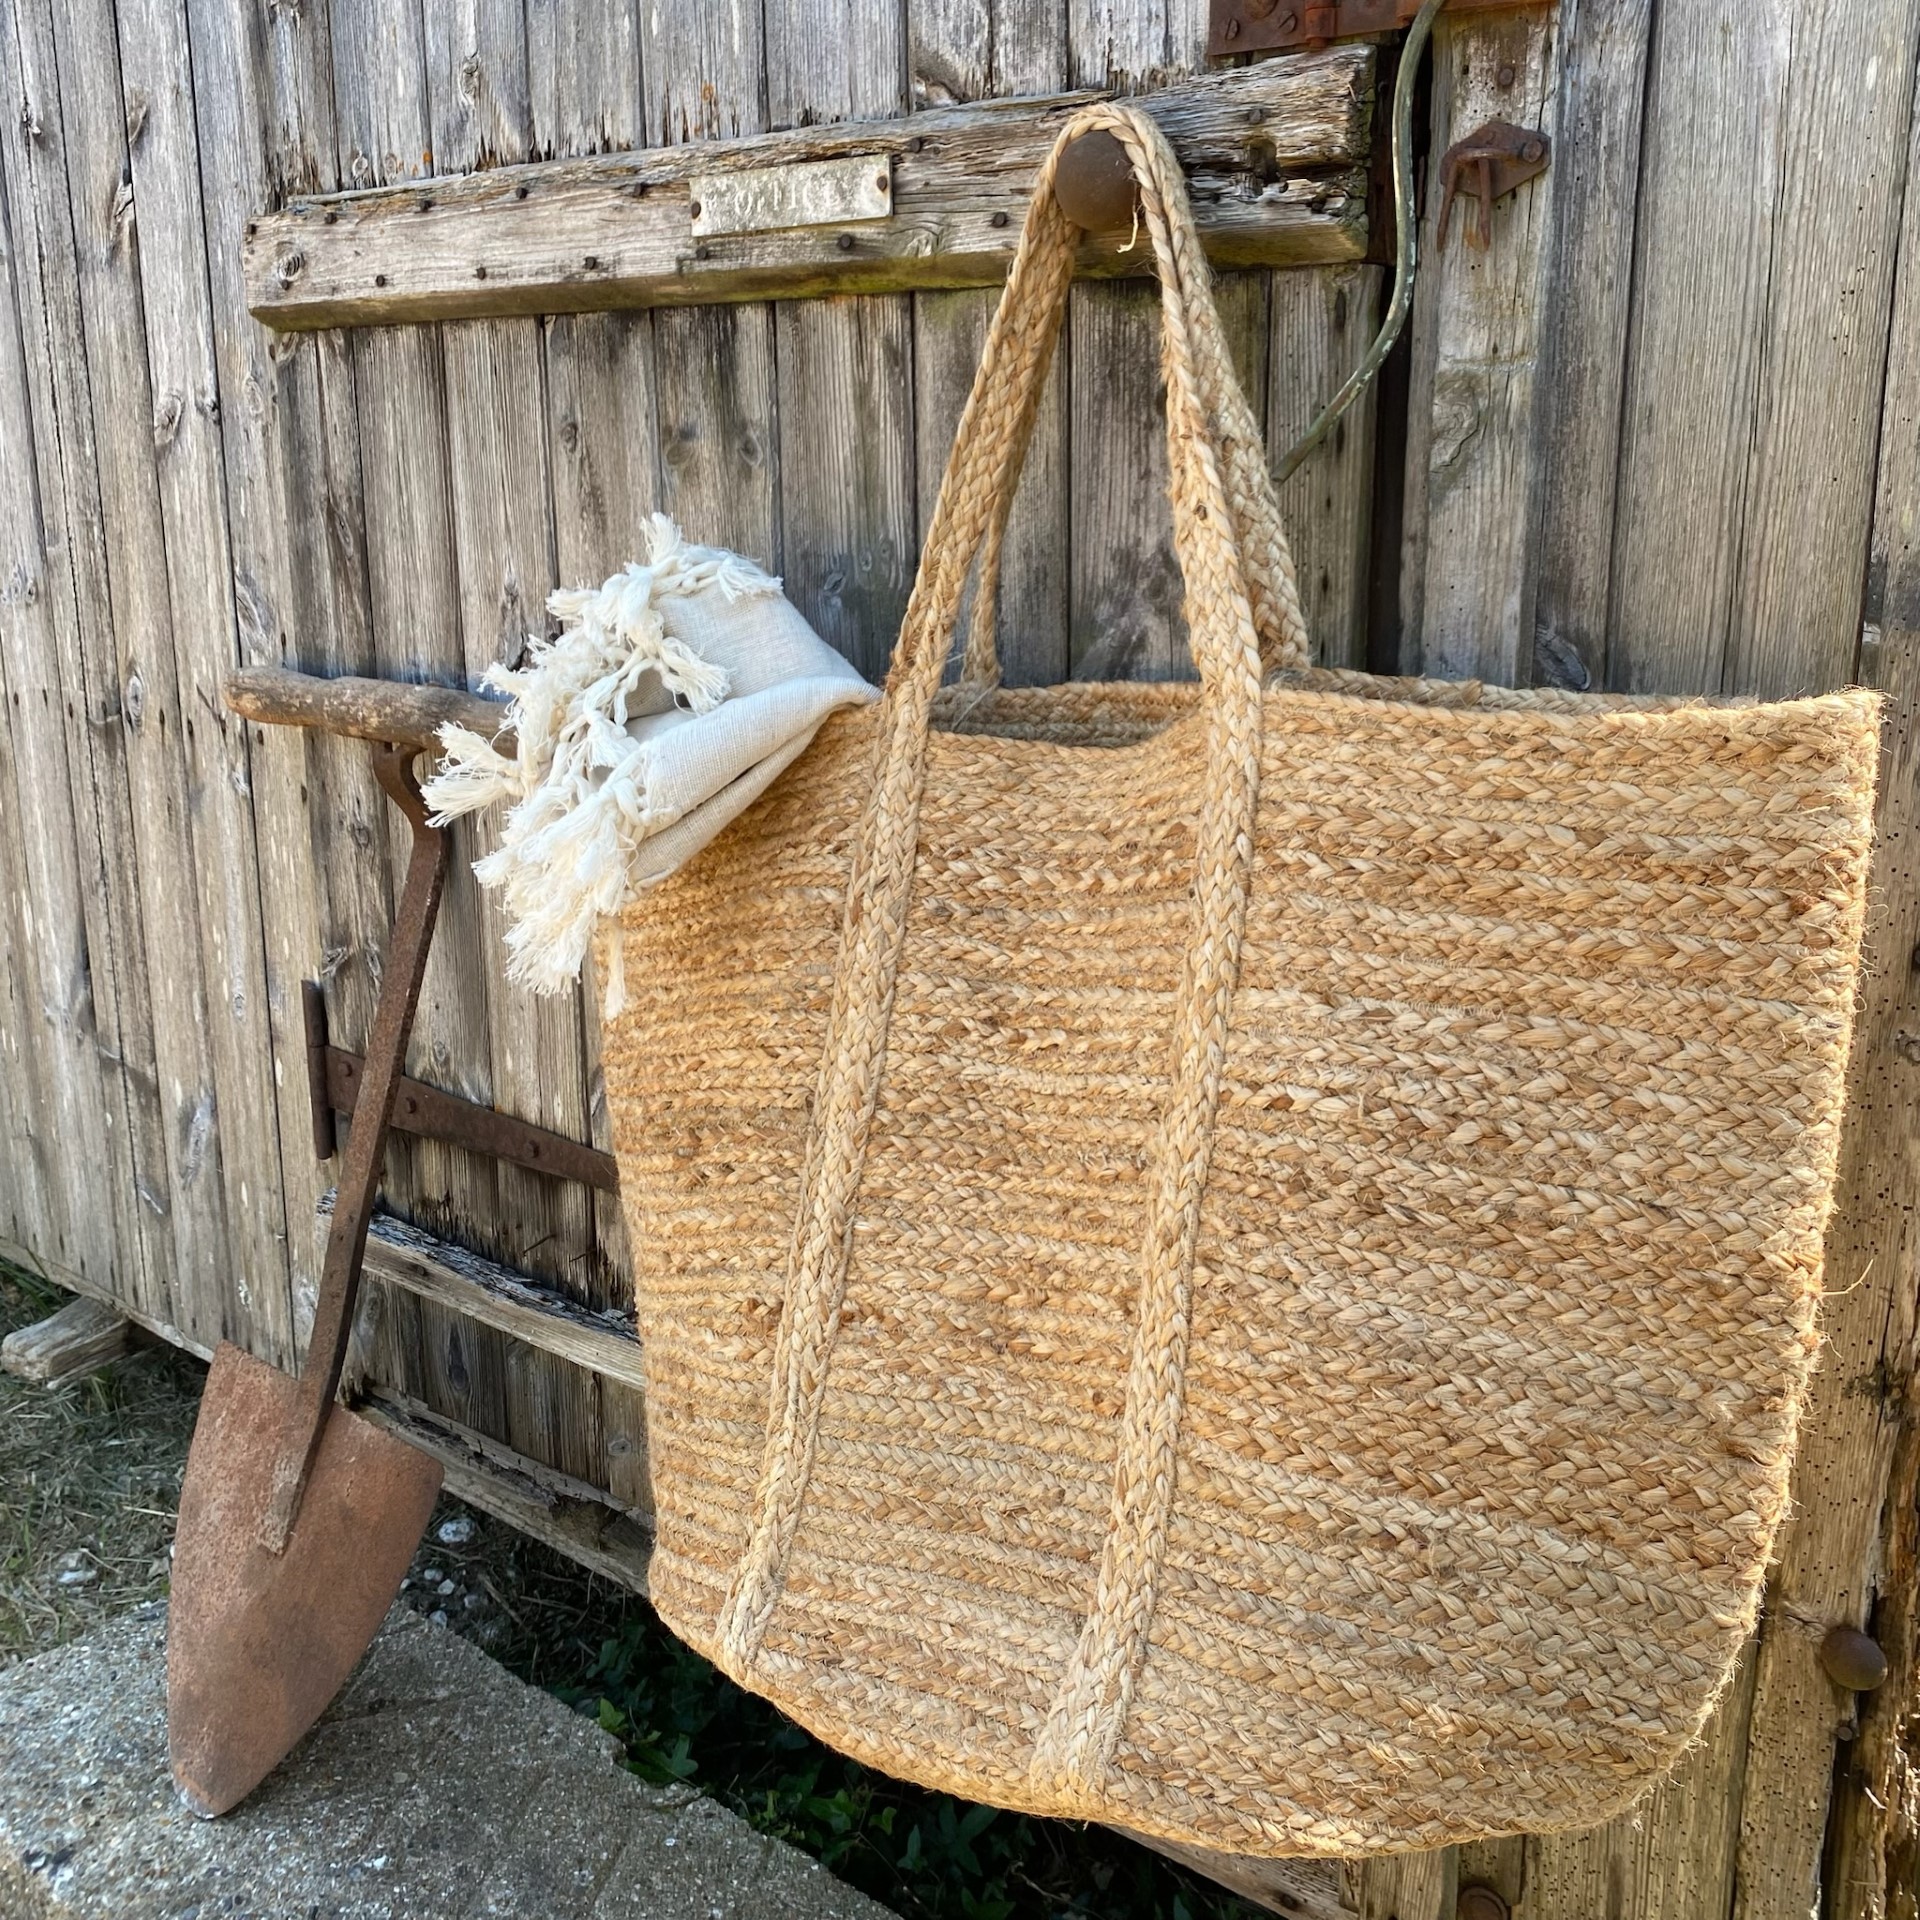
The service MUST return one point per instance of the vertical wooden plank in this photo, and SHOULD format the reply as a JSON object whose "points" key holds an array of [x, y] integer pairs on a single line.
{"points": [[383, 133], [1871, 1834], [719, 426], [171, 449], [479, 93], [1823, 350], [603, 427], [1467, 579], [705, 78], [261, 117], [1796, 616], [1595, 185], [1323, 320], [847, 511], [111, 424], [1710, 181], [1406, 1886], [1124, 611], [953, 60], [80, 908], [849, 525]]}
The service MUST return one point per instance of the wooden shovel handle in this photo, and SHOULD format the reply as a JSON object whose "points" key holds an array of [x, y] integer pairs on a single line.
{"points": [[386, 710]]}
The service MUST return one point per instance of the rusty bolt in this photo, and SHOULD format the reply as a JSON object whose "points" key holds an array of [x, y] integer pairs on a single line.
{"points": [[999, 219], [1505, 74], [1233, 29], [1481, 1903], [918, 144], [883, 181], [693, 208], [1853, 1658], [845, 243]]}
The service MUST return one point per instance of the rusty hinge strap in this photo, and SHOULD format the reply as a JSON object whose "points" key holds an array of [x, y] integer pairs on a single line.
{"points": [[333, 1085], [1258, 26]]}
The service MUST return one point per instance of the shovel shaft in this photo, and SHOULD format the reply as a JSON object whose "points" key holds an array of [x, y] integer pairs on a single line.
{"points": [[366, 1147]]}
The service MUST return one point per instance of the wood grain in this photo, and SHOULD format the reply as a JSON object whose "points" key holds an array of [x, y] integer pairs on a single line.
{"points": [[1322, 321], [952, 62], [1467, 574], [80, 1338], [1594, 188], [165, 433], [81, 936], [580, 235]]}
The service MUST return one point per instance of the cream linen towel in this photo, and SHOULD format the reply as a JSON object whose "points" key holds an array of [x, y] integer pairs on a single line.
{"points": [[677, 693]]}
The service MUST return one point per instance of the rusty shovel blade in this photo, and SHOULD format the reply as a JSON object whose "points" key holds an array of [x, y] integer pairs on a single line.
{"points": [[258, 1642]]}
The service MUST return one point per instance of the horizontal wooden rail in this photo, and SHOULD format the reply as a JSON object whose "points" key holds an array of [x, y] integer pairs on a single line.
{"points": [[1277, 158], [389, 710]]}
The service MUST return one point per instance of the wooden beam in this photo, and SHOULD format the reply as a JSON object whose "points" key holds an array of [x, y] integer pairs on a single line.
{"points": [[79, 1339], [602, 1342], [1276, 156]]}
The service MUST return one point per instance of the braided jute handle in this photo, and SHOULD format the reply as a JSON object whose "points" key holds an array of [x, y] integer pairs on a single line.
{"points": [[1234, 559], [1267, 558]]}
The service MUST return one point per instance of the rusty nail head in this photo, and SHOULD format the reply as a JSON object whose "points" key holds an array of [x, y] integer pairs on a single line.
{"points": [[918, 144], [693, 208], [1853, 1658], [845, 243], [1532, 150], [884, 181], [1505, 74], [1233, 28], [999, 219], [1481, 1903]]}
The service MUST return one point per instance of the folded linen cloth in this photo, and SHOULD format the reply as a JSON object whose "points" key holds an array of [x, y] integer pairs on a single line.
{"points": [[678, 691]]}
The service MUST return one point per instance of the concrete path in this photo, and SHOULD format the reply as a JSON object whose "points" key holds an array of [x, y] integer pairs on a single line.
{"points": [[437, 1788]]}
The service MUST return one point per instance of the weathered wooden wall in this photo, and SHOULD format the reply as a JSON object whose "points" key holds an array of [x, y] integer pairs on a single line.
{"points": [[1662, 435]]}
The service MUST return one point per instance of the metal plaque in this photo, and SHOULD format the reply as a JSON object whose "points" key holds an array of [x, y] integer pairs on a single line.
{"points": [[811, 193]]}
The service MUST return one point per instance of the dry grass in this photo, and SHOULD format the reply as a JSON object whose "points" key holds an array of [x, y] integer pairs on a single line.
{"points": [[89, 1479]]}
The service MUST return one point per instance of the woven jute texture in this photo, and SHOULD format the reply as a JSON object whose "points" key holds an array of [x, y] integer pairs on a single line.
{"points": [[1238, 1258]]}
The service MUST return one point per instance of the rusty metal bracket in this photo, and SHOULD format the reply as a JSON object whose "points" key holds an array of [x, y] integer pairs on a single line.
{"points": [[1490, 163], [334, 1077], [1258, 26]]}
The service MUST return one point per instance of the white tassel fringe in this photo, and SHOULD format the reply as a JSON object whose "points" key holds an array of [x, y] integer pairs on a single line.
{"points": [[578, 794]]}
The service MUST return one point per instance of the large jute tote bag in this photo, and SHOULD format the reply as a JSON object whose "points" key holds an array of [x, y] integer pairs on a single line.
{"points": [[1238, 1259]]}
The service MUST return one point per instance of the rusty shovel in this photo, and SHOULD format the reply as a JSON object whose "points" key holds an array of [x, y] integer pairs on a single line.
{"points": [[298, 1518]]}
